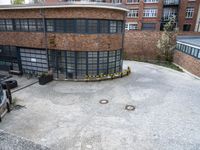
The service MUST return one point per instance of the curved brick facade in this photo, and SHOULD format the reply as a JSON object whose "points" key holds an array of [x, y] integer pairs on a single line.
{"points": [[92, 37]]}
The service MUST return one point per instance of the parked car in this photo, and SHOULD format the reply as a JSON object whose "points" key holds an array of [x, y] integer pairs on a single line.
{"points": [[5, 101]]}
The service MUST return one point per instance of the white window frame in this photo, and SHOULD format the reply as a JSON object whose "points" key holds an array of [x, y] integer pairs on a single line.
{"points": [[151, 1], [189, 12], [150, 12], [129, 24], [133, 13]]}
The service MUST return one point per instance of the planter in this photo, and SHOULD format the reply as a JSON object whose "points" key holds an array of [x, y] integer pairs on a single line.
{"points": [[45, 79]]}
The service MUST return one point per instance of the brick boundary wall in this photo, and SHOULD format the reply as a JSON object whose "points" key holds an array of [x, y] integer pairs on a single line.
{"points": [[187, 62], [142, 45]]}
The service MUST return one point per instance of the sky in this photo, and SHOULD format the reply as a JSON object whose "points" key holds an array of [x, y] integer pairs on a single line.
{"points": [[6, 2]]}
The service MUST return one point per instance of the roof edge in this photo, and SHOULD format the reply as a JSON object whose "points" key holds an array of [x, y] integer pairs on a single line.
{"points": [[65, 5]]}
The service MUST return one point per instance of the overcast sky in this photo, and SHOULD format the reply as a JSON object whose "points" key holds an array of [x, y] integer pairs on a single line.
{"points": [[5, 2]]}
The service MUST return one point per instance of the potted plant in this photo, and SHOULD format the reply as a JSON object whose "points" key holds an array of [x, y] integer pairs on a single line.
{"points": [[45, 78]]}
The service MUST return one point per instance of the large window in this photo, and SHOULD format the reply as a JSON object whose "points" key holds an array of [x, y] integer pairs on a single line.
{"points": [[168, 13], [131, 26], [133, 13], [151, 1], [189, 12], [33, 60], [148, 26], [83, 26], [74, 65], [150, 12]]}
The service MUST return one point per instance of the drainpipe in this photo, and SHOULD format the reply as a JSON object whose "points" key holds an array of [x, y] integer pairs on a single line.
{"points": [[42, 12], [123, 35]]}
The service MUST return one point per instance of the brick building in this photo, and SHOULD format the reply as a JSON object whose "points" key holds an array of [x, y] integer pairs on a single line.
{"points": [[72, 40], [153, 14], [197, 28], [187, 53]]}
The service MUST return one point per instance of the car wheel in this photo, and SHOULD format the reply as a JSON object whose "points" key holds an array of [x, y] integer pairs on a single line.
{"points": [[10, 83]]}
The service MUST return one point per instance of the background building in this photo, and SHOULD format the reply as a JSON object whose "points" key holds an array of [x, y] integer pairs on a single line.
{"points": [[197, 29], [153, 14]]}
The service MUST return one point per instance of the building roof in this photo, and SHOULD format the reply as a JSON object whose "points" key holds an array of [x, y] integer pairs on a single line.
{"points": [[66, 5], [190, 40]]}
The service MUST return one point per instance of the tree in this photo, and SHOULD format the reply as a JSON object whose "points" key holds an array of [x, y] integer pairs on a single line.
{"points": [[17, 2], [166, 44]]}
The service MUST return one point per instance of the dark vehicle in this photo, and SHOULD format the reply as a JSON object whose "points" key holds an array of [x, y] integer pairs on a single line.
{"points": [[5, 100]]}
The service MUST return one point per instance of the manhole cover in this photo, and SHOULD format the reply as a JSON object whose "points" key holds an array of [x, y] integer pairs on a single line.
{"points": [[130, 107], [103, 101]]}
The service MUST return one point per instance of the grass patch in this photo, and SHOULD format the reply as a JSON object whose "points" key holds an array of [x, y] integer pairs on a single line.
{"points": [[160, 63], [169, 65]]}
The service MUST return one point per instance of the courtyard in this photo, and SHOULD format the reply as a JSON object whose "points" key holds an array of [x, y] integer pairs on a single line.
{"points": [[67, 115]]}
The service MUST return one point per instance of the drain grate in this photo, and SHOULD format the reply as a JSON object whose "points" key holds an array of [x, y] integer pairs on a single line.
{"points": [[104, 101], [130, 107]]}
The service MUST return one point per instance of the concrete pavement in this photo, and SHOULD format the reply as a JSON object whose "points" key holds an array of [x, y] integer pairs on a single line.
{"points": [[67, 115]]}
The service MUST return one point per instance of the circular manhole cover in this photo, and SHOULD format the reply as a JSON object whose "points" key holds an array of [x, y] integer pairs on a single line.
{"points": [[103, 101], [130, 107]]}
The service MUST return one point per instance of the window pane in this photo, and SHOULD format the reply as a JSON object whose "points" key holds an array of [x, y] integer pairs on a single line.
{"points": [[113, 26], [24, 24], [104, 26], [60, 25], [81, 26], [32, 24], [50, 25], [9, 25], [92, 26], [2, 25]]}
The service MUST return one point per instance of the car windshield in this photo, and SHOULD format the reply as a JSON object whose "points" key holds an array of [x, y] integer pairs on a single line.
{"points": [[1, 94]]}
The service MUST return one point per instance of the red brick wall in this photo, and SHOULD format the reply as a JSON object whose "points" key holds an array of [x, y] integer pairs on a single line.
{"points": [[65, 13], [75, 42], [142, 44], [188, 62]]}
